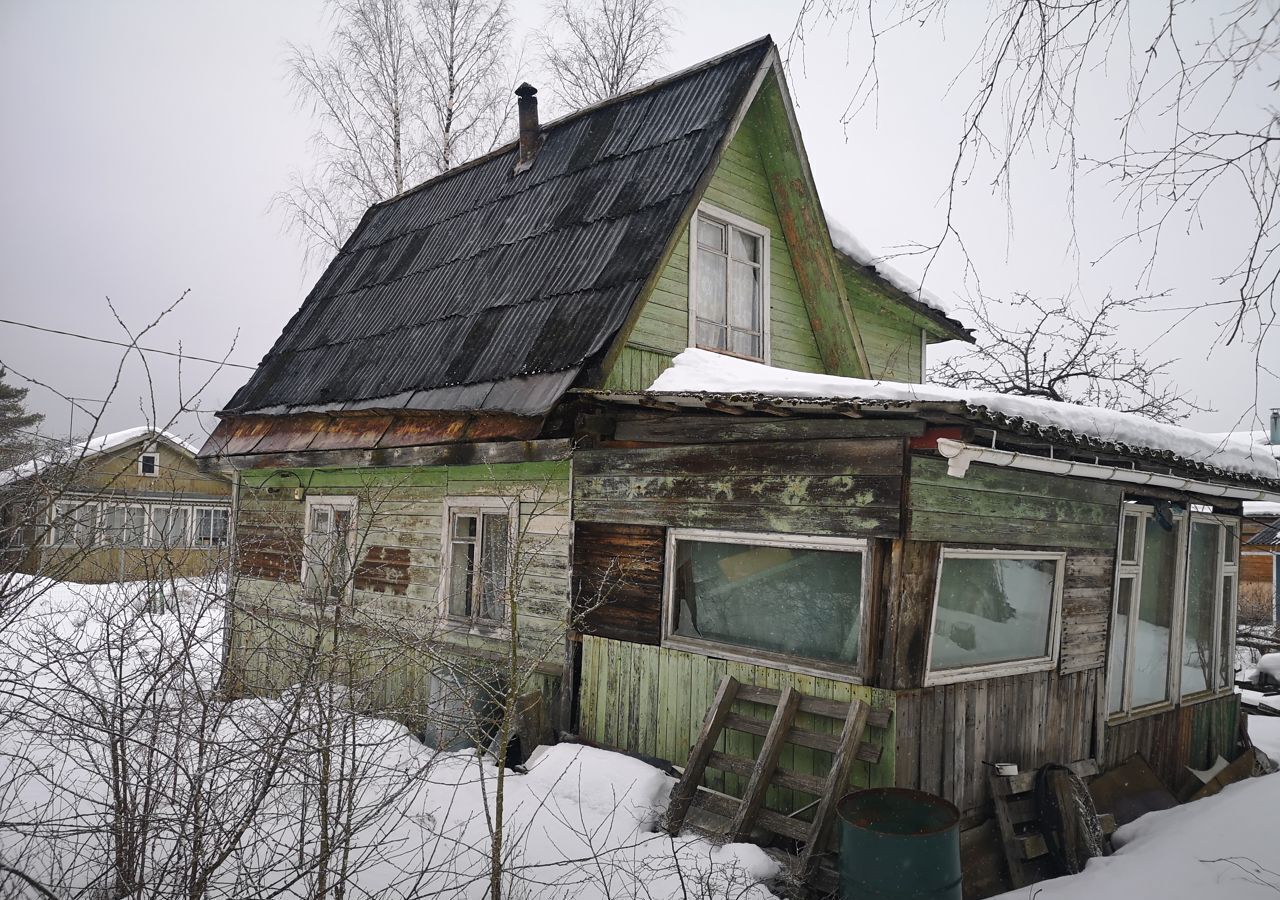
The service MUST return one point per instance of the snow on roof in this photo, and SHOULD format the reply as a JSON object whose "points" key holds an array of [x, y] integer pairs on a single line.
{"points": [[1259, 439], [704, 371], [103, 443], [850, 246], [1261, 508]]}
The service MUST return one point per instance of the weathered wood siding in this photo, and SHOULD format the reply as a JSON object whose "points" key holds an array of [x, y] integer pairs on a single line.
{"points": [[398, 561], [1193, 735], [1007, 507], [740, 185], [653, 700], [891, 334], [617, 581], [824, 487], [117, 473]]}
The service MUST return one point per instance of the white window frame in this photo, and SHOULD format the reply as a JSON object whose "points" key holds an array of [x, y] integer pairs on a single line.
{"points": [[156, 539], [155, 463], [1134, 570], [453, 506], [109, 540], [194, 531], [346, 502], [1008, 667], [724, 217], [853, 673], [94, 512]]}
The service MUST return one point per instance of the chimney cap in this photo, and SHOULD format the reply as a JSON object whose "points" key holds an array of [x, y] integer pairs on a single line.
{"points": [[525, 90]]}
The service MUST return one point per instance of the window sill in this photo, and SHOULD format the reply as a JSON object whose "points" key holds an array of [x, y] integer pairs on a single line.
{"points": [[491, 630], [985, 673], [764, 659], [754, 359]]}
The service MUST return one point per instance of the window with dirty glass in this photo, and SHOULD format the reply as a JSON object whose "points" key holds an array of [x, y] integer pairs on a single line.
{"points": [[169, 524], [211, 527], [74, 524], [995, 610], [149, 464], [328, 546], [124, 526], [729, 285], [479, 543], [1173, 614], [771, 597]]}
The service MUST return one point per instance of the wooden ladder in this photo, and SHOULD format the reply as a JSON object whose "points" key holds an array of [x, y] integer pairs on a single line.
{"points": [[744, 814]]}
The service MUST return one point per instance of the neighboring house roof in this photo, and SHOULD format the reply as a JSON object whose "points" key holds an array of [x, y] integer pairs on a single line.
{"points": [[446, 295], [907, 292], [1267, 537], [698, 374], [99, 445]]}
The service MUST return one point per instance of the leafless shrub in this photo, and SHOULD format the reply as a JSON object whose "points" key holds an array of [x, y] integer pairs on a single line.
{"points": [[1255, 604]]}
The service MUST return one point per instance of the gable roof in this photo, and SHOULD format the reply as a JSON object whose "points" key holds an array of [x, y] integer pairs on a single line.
{"points": [[100, 445], [486, 289]]}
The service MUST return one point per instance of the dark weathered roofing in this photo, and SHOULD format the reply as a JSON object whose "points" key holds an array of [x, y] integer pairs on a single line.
{"points": [[1268, 536], [481, 275]]}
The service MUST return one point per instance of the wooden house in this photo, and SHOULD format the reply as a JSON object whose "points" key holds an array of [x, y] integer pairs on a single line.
{"points": [[128, 506], [465, 408]]}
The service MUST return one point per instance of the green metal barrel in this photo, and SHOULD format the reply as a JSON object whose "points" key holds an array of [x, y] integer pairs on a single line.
{"points": [[897, 843]]}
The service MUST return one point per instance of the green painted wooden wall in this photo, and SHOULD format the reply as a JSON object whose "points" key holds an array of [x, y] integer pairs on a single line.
{"points": [[653, 700], [740, 185], [889, 334], [399, 537]]}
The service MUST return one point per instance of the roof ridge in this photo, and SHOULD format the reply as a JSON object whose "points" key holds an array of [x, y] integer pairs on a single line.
{"points": [[578, 113]]}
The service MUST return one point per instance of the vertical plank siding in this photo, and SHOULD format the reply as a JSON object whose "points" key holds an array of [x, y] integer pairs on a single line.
{"points": [[652, 700], [1193, 735], [394, 610], [944, 733]]}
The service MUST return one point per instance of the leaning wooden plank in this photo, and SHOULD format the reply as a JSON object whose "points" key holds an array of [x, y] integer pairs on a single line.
{"points": [[687, 786], [798, 736], [766, 762], [782, 778], [1014, 851], [837, 780]]}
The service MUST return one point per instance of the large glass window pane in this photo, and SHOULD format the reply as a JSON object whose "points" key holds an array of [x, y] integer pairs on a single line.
{"points": [[171, 526], [1155, 613], [1117, 667], [712, 281], [1202, 603], [993, 610], [125, 526], [780, 599]]}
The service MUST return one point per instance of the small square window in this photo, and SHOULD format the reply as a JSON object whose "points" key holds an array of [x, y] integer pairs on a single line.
{"points": [[149, 464]]}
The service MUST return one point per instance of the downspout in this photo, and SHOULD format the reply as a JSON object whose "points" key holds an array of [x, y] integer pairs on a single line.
{"points": [[959, 455]]}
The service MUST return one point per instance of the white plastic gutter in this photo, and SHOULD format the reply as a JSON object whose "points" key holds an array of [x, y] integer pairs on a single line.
{"points": [[959, 455]]}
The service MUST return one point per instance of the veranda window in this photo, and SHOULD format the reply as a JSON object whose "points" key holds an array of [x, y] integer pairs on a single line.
{"points": [[74, 524], [124, 526], [1173, 615], [996, 612], [211, 527], [765, 597], [729, 288], [169, 525], [479, 541], [328, 547]]}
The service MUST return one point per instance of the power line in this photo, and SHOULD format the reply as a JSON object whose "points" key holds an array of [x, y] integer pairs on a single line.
{"points": [[87, 337]]}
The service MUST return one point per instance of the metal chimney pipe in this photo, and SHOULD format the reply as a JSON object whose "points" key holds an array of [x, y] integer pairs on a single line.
{"points": [[1275, 428], [530, 133]]}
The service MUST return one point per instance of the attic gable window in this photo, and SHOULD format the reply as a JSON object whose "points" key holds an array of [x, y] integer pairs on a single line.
{"points": [[728, 284], [149, 464]]}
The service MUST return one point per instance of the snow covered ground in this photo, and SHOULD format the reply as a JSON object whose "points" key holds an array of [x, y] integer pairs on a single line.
{"points": [[92, 679], [110, 726]]}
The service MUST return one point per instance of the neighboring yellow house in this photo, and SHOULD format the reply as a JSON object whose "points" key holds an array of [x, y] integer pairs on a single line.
{"points": [[128, 506]]}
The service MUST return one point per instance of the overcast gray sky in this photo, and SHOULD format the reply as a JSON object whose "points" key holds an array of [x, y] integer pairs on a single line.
{"points": [[143, 142]]}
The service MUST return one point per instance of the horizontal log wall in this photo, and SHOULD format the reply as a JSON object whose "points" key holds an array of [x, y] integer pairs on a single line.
{"points": [[945, 733], [653, 700]]}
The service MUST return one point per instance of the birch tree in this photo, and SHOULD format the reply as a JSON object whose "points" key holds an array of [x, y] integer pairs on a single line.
{"points": [[597, 49], [1197, 124], [404, 90]]}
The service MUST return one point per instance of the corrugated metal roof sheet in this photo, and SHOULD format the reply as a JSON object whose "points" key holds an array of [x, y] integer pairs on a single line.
{"points": [[483, 275], [1267, 537]]}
